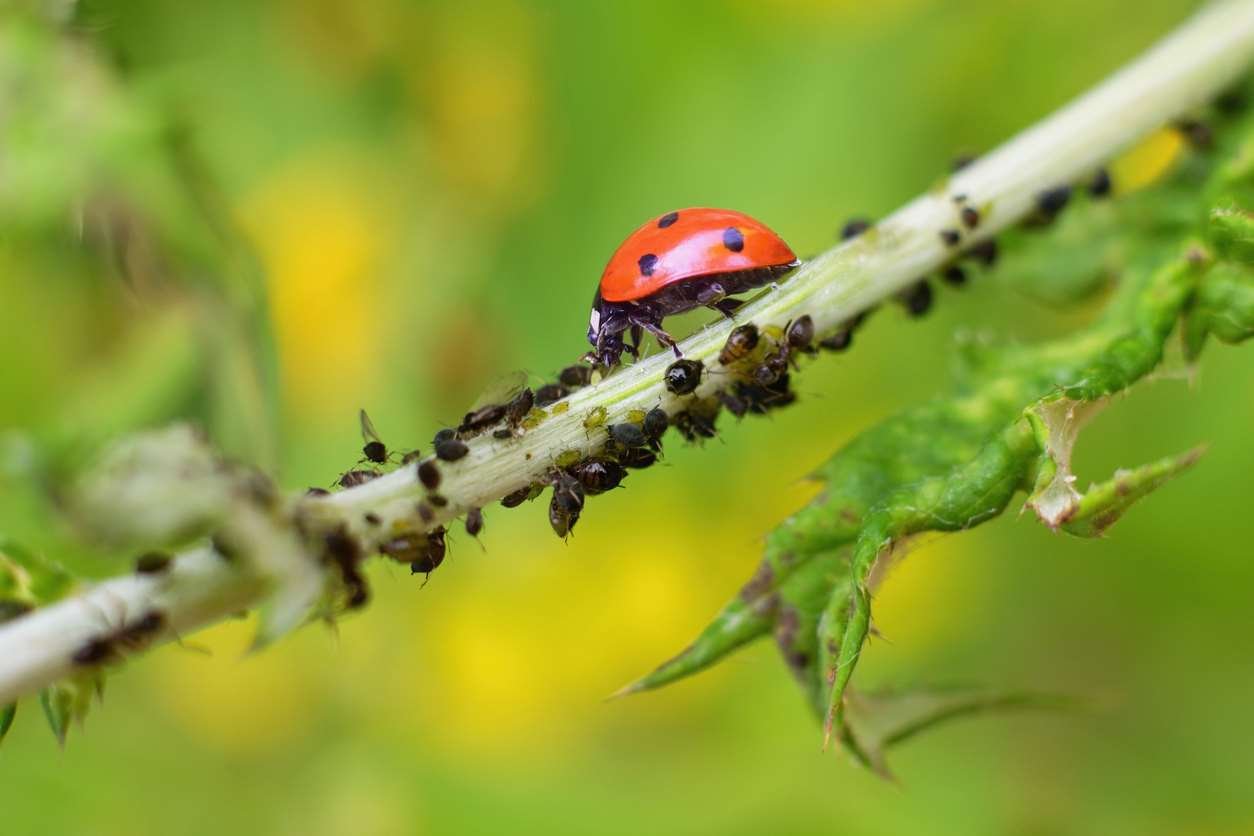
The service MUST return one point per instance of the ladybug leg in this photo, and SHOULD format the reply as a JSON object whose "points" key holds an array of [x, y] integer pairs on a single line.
{"points": [[656, 330], [727, 307], [634, 346], [711, 293]]}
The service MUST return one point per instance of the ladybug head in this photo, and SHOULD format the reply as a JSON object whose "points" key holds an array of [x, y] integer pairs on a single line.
{"points": [[606, 324]]}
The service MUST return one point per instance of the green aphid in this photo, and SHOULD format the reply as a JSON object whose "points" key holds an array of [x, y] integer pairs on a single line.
{"points": [[533, 419], [561, 407], [635, 416], [567, 458], [774, 332], [595, 419]]}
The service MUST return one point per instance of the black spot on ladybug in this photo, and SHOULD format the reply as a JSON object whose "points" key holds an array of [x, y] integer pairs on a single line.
{"points": [[647, 263], [733, 239], [667, 219], [951, 237]]}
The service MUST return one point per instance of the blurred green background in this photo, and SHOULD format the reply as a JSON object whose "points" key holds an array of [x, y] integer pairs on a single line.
{"points": [[430, 190]]}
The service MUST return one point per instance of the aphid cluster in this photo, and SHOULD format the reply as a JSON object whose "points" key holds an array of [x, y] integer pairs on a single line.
{"points": [[110, 646], [674, 263], [632, 443], [504, 418], [917, 298]]}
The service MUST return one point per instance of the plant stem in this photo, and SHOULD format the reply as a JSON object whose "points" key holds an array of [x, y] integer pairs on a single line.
{"points": [[1183, 71], [200, 589]]}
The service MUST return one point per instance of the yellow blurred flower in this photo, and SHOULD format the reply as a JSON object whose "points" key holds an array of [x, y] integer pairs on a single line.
{"points": [[232, 702], [322, 233], [515, 657], [480, 82], [1147, 161]]}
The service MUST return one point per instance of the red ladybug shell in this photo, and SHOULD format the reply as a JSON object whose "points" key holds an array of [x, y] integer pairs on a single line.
{"points": [[698, 241]]}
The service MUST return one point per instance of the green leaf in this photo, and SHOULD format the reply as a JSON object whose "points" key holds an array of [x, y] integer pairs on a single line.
{"points": [[28, 578], [58, 705], [1102, 505], [789, 607], [883, 719], [1007, 425], [1223, 307], [68, 701], [1232, 231]]}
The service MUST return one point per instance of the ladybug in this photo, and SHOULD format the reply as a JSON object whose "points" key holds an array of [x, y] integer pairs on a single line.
{"points": [[677, 262]]}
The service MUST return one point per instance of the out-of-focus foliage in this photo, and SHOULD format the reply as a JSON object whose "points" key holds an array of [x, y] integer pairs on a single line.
{"points": [[1176, 251], [431, 189]]}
